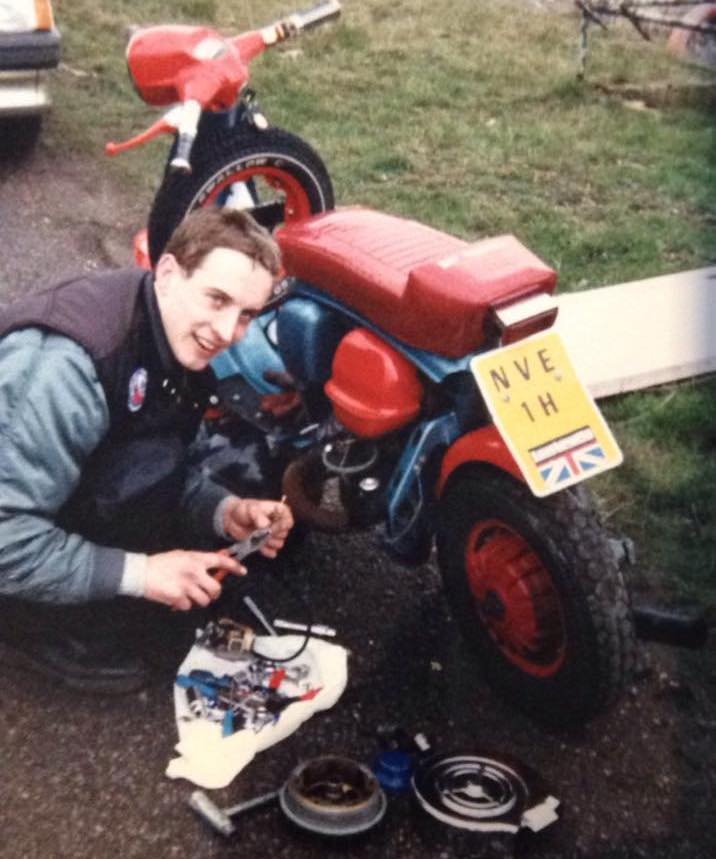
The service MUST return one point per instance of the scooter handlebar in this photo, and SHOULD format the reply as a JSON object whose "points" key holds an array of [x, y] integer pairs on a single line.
{"points": [[316, 15], [295, 23]]}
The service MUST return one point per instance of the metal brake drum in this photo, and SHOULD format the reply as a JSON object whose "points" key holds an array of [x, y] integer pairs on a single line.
{"points": [[332, 795]]}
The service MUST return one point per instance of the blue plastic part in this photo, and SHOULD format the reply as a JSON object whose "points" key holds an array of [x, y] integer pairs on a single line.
{"points": [[394, 769], [252, 356], [309, 334], [205, 689], [406, 483], [227, 725]]}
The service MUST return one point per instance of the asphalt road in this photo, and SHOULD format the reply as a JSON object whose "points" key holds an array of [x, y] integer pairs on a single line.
{"points": [[84, 777]]}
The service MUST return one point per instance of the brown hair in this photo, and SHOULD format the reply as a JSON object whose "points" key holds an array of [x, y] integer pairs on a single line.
{"points": [[203, 230]]}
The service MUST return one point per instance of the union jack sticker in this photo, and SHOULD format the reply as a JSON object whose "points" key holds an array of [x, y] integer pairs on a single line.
{"points": [[563, 459]]}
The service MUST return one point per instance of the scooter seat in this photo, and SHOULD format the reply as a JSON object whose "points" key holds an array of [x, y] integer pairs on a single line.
{"points": [[429, 289]]}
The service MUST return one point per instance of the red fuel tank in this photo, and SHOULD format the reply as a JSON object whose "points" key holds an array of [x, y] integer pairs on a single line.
{"points": [[373, 388]]}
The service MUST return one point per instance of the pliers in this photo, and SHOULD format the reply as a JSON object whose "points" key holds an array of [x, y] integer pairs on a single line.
{"points": [[250, 544], [242, 548]]}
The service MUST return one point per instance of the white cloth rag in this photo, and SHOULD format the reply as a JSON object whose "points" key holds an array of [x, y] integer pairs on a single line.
{"points": [[211, 760]]}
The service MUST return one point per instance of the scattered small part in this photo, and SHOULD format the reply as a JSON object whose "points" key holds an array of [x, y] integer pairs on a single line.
{"points": [[480, 793], [226, 638], [220, 819], [277, 678], [316, 628], [393, 769], [259, 615], [422, 743], [251, 697], [197, 704]]}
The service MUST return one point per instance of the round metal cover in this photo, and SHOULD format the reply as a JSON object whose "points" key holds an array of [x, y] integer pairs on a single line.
{"points": [[472, 792], [333, 795]]}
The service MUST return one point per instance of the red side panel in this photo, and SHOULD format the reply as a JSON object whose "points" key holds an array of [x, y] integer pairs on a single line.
{"points": [[427, 288], [373, 388], [481, 445]]}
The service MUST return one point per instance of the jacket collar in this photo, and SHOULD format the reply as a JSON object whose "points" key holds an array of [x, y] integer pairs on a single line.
{"points": [[169, 364], [178, 382]]}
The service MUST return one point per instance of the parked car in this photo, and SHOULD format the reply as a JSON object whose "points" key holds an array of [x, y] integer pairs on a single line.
{"points": [[29, 46]]}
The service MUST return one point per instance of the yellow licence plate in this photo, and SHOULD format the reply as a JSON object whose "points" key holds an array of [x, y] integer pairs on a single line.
{"points": [[545, 414]]}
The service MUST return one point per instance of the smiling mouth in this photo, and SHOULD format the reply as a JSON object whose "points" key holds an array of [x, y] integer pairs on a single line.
{"points": [[208, 346]]}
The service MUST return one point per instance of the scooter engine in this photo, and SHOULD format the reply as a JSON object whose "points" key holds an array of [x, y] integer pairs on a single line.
{"points": [[362, 478]]}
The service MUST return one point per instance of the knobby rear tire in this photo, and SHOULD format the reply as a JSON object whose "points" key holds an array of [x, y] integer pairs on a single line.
{"points": [[538, 592]]}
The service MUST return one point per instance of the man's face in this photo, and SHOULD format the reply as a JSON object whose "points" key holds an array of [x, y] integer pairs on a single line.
{"points": [[205, 312]]}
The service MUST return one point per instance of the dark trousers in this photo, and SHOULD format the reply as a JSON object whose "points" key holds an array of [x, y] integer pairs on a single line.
{"points": [[236, 457]]}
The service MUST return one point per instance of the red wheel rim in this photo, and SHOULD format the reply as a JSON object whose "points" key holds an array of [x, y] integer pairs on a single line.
{"points": [[515, 598], [296, 203]]}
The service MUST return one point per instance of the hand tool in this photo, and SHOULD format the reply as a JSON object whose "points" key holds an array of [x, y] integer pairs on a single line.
{"points": [[316, 628], [259, 615], [243, 548], [220, 818]]}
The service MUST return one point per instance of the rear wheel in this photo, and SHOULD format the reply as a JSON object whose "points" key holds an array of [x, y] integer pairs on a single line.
{"points": [[537, 590], [272, 174]]}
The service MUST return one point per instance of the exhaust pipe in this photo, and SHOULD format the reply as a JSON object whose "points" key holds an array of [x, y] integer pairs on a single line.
{"points": [[302, 484]]}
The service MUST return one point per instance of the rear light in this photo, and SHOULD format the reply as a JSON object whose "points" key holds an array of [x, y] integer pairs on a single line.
{"points": [[43, 15], [522, 318]]}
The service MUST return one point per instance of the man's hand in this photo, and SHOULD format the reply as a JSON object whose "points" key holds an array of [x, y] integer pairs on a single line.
{"points": [[181, 579], [244, 515]]}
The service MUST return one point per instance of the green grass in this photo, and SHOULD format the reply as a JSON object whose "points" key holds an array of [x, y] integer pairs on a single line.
{"points": [[469, 116]]}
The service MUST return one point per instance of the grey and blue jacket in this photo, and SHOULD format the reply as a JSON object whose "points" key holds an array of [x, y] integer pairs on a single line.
{"points": [[96, 421]]}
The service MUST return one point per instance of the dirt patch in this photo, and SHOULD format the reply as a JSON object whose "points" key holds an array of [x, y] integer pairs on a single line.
{"points": [[58, 217], [84, 778]]}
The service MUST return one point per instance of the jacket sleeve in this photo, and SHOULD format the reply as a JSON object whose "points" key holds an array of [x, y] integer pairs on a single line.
{"points": [[53, 414]]}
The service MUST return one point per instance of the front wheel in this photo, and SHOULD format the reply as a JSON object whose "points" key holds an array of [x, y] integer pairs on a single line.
{"points": [[537, 590], [272, 174]]}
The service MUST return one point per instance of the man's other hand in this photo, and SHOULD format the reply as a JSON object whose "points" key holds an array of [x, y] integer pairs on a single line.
{"points": [[244, 515], [182, 579]]}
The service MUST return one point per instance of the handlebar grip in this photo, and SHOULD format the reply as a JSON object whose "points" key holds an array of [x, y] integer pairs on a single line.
{"points": [[180, 162], [318, 14]]}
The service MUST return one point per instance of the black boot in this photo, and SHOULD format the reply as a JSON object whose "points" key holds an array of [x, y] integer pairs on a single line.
{"points": [[69, 644]]}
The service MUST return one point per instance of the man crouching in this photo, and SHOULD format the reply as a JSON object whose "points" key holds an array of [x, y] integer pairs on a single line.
{"points": [[104, 381]]}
